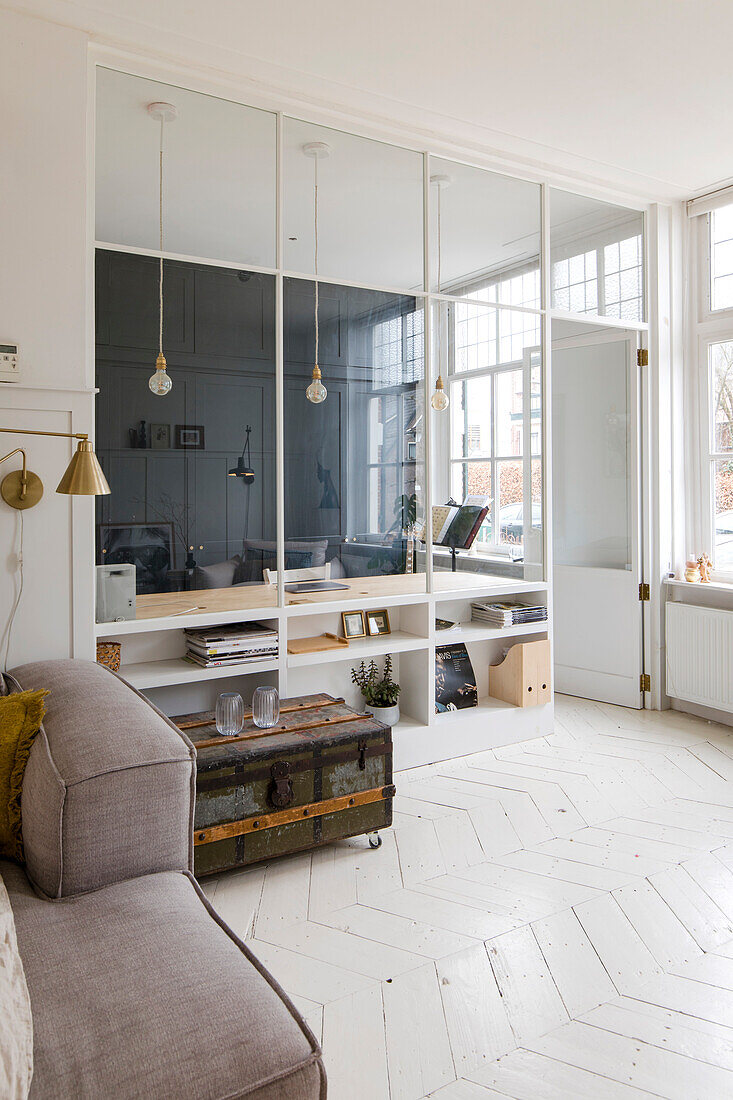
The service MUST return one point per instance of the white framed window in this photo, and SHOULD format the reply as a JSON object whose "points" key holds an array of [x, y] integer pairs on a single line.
{"points": [[719, 451], [720, 259], [712, 529], [495, 447]]}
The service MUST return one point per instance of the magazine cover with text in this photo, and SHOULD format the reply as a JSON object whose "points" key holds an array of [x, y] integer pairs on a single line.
{"points": [[455, 680]]}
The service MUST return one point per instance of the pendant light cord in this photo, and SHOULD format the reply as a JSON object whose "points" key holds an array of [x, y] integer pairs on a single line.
{"points": [[440, 316], [439, 238], [315, 239], [160, 227]]}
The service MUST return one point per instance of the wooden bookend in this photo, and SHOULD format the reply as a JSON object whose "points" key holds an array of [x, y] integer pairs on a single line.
{"points": [[523, 677]]}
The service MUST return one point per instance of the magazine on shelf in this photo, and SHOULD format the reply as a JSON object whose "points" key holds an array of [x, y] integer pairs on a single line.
{"points": [[234, 644], [455, 680], [243, 646], [220, 662], [508, 614]]}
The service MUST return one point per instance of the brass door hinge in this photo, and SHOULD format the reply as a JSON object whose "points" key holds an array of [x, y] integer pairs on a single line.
{"points": [[642, 357], [645, 682], [644, 592]]}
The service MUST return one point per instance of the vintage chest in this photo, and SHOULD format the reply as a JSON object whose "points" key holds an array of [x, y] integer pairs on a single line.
{"points": [[323, 773]]}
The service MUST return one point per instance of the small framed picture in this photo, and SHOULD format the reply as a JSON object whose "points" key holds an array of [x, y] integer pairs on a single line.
{"points": [[190, 436], [378, 622], [411, 450], [352, 624], [160, 437]]}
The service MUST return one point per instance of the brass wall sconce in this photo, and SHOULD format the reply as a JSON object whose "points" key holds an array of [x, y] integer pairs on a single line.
{"points": [[83, 476]]}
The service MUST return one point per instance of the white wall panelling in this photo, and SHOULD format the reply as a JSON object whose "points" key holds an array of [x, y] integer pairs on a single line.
{"points": [[56, 613]]}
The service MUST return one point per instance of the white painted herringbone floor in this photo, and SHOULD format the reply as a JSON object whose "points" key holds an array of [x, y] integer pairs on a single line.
{"points": [[548, 921]]}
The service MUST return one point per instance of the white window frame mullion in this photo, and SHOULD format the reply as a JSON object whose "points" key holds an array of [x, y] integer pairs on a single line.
{"points": [[716, 333]]}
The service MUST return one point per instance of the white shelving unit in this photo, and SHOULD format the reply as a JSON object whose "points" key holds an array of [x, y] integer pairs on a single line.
{"points": [[153, 649], [154, 674]]}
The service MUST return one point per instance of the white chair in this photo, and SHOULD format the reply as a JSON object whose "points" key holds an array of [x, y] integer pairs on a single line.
{"points": [[311, 573]]}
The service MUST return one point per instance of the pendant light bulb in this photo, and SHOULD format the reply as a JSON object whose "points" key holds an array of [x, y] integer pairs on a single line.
{"points": [[316, 392], [160, 383], [440, 400]]}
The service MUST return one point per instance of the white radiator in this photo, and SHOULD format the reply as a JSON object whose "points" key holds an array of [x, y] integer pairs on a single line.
{"points": [[700, 655]]}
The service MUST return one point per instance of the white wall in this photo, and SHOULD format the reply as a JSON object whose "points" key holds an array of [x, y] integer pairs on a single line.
{"points": [[43, 264]]}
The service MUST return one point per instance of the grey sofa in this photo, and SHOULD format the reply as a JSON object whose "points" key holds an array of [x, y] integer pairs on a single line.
{"points": [[137, 988]]}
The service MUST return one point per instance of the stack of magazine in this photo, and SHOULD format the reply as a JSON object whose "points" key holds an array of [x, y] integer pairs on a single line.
{"points": [[217, 646], [508, 614]]}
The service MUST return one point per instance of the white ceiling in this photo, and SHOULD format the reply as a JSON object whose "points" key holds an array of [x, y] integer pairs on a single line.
{"points": [[635, 89]]}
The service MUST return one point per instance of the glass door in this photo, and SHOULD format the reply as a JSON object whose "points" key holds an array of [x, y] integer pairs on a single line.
{"points": [[596, 513]]}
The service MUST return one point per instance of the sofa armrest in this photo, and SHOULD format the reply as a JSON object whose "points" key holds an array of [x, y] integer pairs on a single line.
{"points": [[109, 788]]}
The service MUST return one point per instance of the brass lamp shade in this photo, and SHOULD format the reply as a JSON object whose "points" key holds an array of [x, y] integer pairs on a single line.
{"points": [[84, 475]]}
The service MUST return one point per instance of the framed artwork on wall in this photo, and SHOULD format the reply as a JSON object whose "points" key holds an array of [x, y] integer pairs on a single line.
{"points": [[190, 437], [160, 437], [147, 546]]}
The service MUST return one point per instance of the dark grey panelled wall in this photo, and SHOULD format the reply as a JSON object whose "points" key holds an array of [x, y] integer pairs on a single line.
{"points": [[346, 461]]}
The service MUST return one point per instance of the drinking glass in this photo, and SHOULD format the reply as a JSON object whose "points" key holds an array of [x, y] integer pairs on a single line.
{"points": [[229, 714], [265, 707]]}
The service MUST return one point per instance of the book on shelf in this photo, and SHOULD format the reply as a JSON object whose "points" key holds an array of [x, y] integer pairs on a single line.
{"points": [[508, 614]]}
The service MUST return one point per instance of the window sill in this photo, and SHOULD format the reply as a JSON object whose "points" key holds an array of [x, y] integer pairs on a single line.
{"points": [[710, 586]]}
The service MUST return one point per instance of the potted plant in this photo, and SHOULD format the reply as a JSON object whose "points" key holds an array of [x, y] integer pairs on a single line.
{"points": [[380, 692]]}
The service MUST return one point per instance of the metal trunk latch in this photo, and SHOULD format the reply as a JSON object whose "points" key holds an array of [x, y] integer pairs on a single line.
{"points": [[362, 755], [281, 788]]}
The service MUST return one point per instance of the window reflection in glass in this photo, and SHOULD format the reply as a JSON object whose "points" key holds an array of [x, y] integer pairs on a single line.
{"points": [[489, 234], [597, 253], [354, 465], [485, 337], [181, 509]]}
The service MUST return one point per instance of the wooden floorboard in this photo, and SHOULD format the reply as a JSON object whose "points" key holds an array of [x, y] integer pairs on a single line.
{"points": [[545, 921]]}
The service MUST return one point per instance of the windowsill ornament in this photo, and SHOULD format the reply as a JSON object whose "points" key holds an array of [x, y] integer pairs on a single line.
{"points": [[705, 566]]}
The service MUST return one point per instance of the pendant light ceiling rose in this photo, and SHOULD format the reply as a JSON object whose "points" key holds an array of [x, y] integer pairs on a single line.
{"points": [[163, 112], [317, 150], [441, 180]]}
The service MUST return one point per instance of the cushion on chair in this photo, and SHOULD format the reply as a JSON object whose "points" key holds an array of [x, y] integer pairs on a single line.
{"points": [[222, 574], [260, 555], [138, 990]]}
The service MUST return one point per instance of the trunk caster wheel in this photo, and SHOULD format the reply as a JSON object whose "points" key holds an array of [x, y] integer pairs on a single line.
{"points": [[375, 840]]}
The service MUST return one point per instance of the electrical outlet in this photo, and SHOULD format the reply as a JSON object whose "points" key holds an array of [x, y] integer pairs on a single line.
{"points": [[9, 363]]}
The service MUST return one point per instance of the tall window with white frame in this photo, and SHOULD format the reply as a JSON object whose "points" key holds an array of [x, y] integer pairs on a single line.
{"points": [[495, 448], [715, 333]]}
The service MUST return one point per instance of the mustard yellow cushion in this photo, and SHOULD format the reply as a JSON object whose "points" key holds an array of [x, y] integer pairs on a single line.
{"points": [[21, 715]]}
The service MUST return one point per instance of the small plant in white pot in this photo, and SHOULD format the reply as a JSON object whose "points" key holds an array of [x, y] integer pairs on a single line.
{"points": [[380, 692]]}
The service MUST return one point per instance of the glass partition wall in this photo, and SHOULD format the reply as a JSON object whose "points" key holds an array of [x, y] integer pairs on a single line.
{"points": [[289, 251]]}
